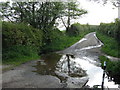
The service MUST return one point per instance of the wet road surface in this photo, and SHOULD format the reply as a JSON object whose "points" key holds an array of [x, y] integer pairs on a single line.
{"points": [[82, 61]]}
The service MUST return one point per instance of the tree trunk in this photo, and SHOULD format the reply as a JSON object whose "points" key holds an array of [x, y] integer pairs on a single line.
{"points": [[33, 14], [68, 21]]}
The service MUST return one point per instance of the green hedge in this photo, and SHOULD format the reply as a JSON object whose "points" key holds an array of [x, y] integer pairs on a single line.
{"points": [[20, 42], [76, 29], [111, 29], [20, 34]]}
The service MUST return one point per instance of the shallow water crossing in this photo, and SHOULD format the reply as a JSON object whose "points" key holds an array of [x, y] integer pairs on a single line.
{"points": [[74, 72], [77, 66]]}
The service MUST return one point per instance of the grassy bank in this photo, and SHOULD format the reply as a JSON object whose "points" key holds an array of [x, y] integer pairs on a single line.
{"points": [[64, 41], [20, 43], [17, 55], [112, 68], [111, 46]]}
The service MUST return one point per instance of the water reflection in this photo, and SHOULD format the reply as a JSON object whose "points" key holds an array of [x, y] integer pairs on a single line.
{"points": [[95, 73], [71, 70], [68, 60], [62, 67], [69, 66], [47, 64]]}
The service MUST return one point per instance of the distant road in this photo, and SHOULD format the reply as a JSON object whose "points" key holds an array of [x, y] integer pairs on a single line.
{"points": [[90, 43]]}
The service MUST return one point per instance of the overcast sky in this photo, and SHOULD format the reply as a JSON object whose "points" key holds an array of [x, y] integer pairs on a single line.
{"points": [[98, 13]]}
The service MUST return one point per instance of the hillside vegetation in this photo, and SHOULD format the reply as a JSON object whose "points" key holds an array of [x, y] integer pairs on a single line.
{"points": [[22, 42], [109, 34]]}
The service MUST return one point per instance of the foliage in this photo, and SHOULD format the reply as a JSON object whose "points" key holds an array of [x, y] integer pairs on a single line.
{"points": [[41, 15], [73, 31], [20, 34], [17, 51], [111, 46], [77, 28], [112, 68], [111, 29], [18, 54], [63, 41], [71, 11], [21, 42], [37, 14]]}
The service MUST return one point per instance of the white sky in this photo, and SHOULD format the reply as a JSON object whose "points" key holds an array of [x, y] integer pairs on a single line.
{"points": [[98, 12]]}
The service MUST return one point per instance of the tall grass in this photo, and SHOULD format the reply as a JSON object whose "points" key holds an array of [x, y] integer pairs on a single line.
{"points": [[64, 41], [16, 55], [111, 46]]}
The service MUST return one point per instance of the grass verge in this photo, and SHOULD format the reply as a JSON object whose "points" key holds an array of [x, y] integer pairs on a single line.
{"points": [[17, 55], [111, 46], [64, 42]]}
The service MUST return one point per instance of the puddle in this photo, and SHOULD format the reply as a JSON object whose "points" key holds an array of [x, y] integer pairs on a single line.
{"points": [[72, 71], [47, 64]]}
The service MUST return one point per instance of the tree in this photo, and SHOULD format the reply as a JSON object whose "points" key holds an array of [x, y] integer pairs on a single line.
{"points": [[41, 15], [71, 11], [5, 11], [37, 14]]}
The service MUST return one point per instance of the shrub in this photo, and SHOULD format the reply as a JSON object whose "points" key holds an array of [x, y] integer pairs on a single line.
{"points": [[20, 34], [76, 29], [73, 31], [111, 29]]}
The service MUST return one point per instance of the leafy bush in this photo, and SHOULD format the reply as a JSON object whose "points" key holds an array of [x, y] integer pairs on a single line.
{"points": [[20, 34], [73, 31], [76, 29], [111, 29], [21, 42]]}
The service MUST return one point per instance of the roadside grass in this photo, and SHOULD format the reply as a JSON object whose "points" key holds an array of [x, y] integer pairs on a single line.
{"points": [[111, 46], [17, 55], [17, 61], [64, 42], [112, 67]]}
